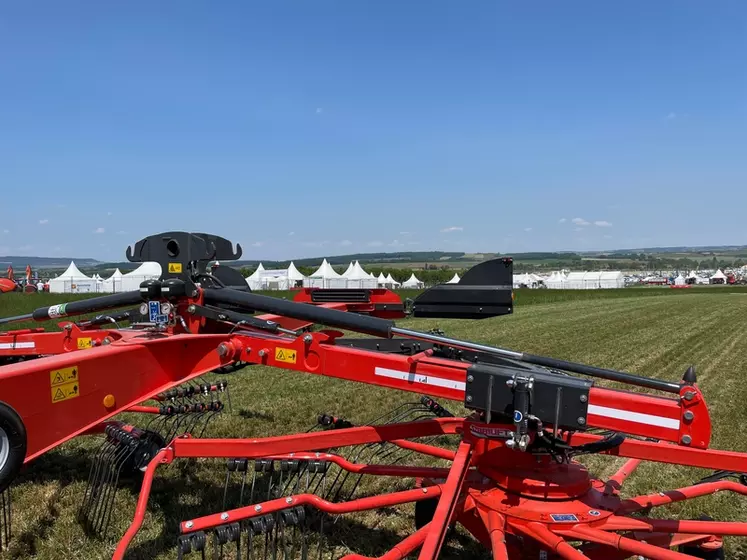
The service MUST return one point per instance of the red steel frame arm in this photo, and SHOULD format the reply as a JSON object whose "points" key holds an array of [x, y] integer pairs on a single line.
{"points": [[59, 397], [684, 420], [38, 342]]}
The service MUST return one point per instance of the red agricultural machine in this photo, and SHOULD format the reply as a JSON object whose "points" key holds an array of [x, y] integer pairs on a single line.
{"points": [[506, 471]]}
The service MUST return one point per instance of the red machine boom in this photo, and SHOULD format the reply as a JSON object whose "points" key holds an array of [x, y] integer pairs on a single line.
{"points": [[513, 481]]}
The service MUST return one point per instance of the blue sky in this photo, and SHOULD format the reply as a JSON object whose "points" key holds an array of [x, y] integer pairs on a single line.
{"points": [[308, 128]]}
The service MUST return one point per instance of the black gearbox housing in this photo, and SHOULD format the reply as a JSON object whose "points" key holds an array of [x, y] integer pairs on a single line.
{"points": [[553, 397]]}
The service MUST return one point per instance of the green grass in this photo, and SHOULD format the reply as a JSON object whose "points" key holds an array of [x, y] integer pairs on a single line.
{"points": [[653, 332]]}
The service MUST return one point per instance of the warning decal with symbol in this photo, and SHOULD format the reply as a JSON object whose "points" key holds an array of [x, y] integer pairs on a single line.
{"points": [[64, 375], [175, 268], [65, 392], [84, 343], [287, 355]]}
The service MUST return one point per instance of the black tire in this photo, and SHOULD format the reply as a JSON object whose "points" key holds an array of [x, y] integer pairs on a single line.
{"points": [[424, 512], [700, 552], [12, 445]]}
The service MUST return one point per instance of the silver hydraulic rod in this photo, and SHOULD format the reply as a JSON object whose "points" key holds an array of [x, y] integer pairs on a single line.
{"points": [[464, 345], [609, 374]]}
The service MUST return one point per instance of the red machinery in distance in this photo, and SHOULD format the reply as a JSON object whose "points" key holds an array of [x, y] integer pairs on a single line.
{"points": [[513, 482]]}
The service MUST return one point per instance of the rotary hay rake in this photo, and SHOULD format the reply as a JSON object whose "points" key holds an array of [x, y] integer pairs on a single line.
{"points": [[506, 471]]}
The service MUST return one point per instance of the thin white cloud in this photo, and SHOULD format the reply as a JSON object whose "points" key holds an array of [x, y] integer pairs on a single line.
{"points": [[314, 243], [319, 110], [374, 243], [607, 236], [451, 229], [580, 222], [108, 213], [291, 233], [121, 232], [6, 231], [405, 233], [257, 244], [99, 230], [578, 229], [25, 248], [527, 229], [562, 221], [671, 116], [44, 221], [346, 243], [396, 243], [602, 223]]}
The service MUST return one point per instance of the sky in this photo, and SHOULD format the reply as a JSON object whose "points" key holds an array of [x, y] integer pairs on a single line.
{"points": [[303, 129]]}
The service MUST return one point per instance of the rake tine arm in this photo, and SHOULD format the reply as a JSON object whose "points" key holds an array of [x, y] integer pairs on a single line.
{"points": [[625, 544], [279, 504], [638, 503], [376, 470], [259, 448], [497, 530], [616, 480], [401, 550], [425, 449], [555, 543], [447, 504], [660, 452], [165, 455]]}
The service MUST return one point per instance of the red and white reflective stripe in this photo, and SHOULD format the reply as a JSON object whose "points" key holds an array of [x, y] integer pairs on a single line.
{"points": [[420, 378], [16, 345], [639, 417]]}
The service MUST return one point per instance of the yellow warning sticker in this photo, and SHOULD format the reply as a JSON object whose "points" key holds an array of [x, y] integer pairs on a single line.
{"points": [[64, 375], [175, 268], [287, 355], [84, 343], [65, 392]]}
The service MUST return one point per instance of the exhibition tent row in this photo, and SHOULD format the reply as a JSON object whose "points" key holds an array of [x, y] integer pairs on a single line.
{"points": [[74, 281], [327, 277], [572, 280]]}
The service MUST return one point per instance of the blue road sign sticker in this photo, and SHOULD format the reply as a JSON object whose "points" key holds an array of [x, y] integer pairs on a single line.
{"points": [[154, 310], [564, 518]]}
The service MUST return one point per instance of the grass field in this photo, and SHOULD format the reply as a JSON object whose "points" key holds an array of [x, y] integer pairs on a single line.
{"points": [[653, 332]]}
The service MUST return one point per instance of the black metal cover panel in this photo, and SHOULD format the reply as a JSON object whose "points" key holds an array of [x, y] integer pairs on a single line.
{"points": [[341, 296], [553, 397]]}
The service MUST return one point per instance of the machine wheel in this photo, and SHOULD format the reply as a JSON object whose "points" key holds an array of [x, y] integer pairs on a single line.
{"points": [[12, 445], [713, 552], [424, 512]]}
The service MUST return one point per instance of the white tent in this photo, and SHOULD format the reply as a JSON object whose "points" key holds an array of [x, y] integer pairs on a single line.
{"points": [[72, 281], [359, 278], [113, 284], [349, 270], [295, 278], [718, 278], [556, 281], [253, 280], [146, 271], [412, 282], [575, 280], [613, 279], [679, 281], [325, 277], [381, 280], [274, 279], [392, 282], [454, 279]]}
